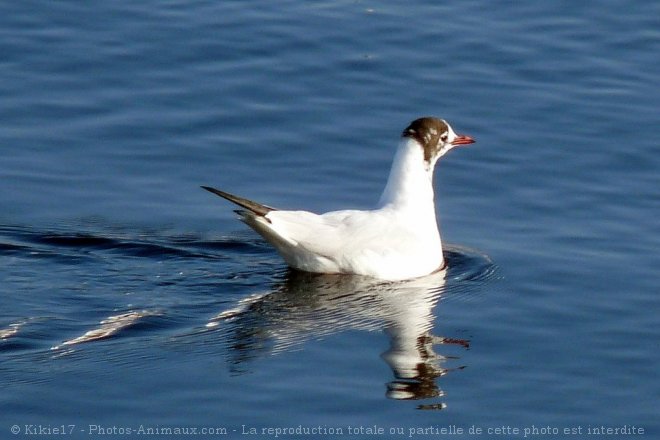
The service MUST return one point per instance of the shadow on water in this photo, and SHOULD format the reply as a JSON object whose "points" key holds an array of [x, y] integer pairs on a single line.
{"points": [[308, 306]]}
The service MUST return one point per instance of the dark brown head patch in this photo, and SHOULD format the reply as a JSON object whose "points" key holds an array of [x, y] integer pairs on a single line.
{"points": [[427, 131]]}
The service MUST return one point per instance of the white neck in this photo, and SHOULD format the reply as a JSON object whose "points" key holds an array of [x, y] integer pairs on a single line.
{"points": [[410, 185]]}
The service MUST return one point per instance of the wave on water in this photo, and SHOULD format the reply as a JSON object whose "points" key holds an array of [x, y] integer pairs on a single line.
{"points": [[27, 242], [239, 298], [108, 327], [11, 330]]}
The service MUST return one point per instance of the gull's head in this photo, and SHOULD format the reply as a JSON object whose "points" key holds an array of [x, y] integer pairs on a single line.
{"points": [[435, 137]]}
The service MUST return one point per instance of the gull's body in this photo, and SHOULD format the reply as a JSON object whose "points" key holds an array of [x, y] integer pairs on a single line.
{"points": [[397, 240]]}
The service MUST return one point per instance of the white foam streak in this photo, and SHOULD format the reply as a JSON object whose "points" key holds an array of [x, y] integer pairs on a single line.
{"points": [[10, 331], [108, 327], [241, 307]]}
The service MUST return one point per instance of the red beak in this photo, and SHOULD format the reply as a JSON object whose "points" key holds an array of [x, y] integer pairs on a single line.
{"points": [[462, 139]]}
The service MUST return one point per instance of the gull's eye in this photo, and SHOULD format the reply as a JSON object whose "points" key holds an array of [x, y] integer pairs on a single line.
{"points": [[444, 136]]}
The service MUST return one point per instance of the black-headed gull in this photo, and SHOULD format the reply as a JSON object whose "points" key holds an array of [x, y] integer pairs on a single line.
{"points": [[397, 240]]}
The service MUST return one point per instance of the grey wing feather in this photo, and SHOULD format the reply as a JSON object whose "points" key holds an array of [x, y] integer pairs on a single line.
{"points": [[251, 206]]}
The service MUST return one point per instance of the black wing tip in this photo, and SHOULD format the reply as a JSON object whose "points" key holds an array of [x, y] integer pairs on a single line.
{"points": [[213, 190], [218, 192], [254, 207]]}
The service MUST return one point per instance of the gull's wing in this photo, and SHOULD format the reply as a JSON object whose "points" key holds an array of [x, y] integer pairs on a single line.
{"points": [[326, 242], [291, 225]]}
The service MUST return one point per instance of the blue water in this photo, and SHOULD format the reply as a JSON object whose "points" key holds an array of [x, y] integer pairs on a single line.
{"points": [[130, 298]]}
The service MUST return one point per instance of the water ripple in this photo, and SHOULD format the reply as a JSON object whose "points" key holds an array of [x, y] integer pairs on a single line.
{"points": [[262, 309], [109, 327], [20, 241]]}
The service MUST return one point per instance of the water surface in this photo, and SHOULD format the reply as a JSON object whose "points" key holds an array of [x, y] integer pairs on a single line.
{"points": [[130, 297]]}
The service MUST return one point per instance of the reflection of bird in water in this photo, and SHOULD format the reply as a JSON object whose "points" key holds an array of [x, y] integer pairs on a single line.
{"points": [[418, 380], [310, 306]]}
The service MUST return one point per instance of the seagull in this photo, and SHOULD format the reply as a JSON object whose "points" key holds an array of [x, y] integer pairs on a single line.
{"points": [[397, 240]]}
